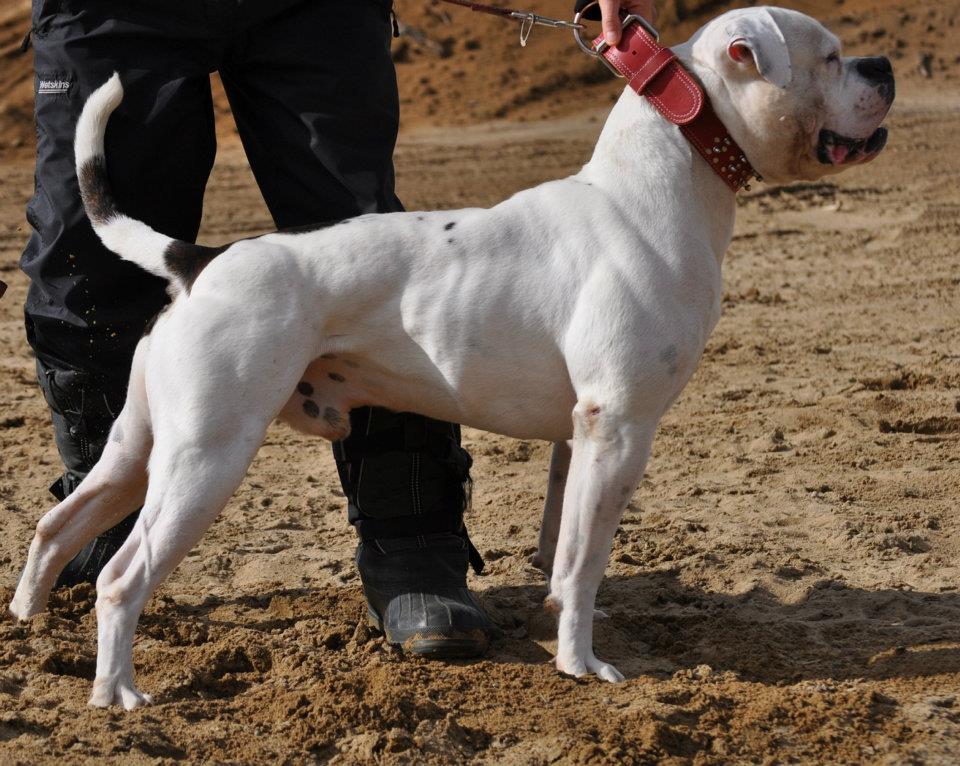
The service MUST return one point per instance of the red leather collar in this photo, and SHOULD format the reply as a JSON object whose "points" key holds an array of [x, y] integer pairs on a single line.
{"points": [[655, 73]]}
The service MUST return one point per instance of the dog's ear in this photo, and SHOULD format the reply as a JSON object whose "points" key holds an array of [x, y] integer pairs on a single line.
{"points": [[755, 39]]}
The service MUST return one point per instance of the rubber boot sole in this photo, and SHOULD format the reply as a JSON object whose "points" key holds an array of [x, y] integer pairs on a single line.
{"points": [[455, 646]]}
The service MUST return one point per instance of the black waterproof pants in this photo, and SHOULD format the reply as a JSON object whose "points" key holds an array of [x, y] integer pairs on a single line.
{"points": [[313, 91]]}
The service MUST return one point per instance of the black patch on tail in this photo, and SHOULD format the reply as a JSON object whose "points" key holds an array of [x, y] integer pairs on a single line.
{"points": [[95, 191], [186, 260]]}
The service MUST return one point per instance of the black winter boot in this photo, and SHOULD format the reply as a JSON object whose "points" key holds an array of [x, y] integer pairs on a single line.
{"points": [[82, 412], [407, 483], [417, 595]]}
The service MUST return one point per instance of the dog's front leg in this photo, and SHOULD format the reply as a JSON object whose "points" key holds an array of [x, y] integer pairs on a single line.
{"points": [[609, 455], [552, 508]]}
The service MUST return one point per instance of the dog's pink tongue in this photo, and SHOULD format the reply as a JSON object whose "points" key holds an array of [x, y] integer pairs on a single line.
{"points": [[839, 153]]}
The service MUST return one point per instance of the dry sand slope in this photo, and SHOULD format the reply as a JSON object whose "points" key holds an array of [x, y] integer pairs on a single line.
{"points": [[460, 67], [784, 586]]}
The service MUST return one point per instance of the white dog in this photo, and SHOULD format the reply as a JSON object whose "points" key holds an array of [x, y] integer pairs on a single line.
{"points": [[574, 312]]}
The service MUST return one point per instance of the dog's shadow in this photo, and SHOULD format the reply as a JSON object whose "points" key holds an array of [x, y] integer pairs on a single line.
{"points": [[659, 626]]}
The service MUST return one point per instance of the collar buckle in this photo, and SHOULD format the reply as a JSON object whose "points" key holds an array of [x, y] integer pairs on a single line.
{"points": [[598, 51]]}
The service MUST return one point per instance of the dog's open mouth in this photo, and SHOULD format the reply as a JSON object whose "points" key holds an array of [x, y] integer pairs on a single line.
{"points": [[834, 149]]}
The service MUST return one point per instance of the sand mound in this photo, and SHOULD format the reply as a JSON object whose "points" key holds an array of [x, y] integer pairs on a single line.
{"points": [[457, 67]]}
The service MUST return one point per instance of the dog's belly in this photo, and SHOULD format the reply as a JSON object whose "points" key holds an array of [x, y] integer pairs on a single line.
{"points": [[534, 401], [470, 320]]}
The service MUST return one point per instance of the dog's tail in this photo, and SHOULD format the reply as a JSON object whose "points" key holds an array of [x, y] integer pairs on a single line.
{"points": [[176, 261]]}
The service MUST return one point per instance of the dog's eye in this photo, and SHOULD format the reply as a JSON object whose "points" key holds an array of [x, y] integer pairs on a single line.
{"points": [[833, 58]]}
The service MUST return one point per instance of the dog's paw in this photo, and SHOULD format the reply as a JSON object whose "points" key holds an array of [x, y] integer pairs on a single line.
{"points": [[589, 666], [607, 672], [110, 691], [20, 609]]}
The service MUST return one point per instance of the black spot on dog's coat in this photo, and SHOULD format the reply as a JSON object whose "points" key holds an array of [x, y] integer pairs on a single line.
{"points": [[311, 408], [305, 388], [186, 260], [152, 321], [449, 226], [336, 376], [332, 416], [669, 357]]}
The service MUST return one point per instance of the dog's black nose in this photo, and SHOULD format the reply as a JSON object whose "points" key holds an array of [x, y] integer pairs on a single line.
{"points": [[876, 69]]}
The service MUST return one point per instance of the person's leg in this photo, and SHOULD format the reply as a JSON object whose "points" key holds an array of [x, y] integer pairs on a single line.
{"points": [[86, 309], [317, 111]]}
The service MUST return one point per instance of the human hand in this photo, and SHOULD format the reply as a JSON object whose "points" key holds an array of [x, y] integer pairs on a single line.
{"points": [[610, 13]]}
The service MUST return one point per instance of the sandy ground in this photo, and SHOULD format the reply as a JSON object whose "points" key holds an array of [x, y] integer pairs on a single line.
{"points": [[783, 587]]}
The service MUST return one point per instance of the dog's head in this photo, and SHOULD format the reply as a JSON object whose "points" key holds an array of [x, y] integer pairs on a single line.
{"points": [[796, 106]]}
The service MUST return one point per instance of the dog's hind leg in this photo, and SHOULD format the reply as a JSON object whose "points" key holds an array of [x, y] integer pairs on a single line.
{"points": [[113, 489], [609, 455], [552, 507], [190, 482]]}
